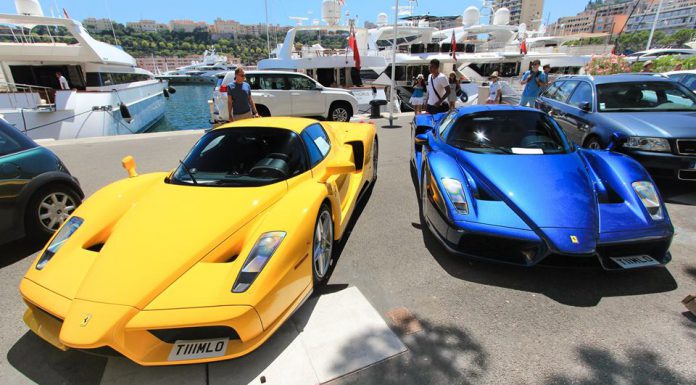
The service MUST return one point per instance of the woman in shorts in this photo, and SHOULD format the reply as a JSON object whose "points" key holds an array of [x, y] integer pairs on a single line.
{"points": [[418, 96]]}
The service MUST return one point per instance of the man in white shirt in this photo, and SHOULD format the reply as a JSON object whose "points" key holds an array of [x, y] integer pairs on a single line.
{"points": [[62, 81], [438, 89]]}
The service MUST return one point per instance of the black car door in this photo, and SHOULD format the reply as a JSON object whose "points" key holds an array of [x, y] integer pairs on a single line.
{"points": [[562, 112]]}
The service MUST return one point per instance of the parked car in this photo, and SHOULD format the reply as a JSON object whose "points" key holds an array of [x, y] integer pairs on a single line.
{"points": [[656, 113], [652, 54], [686, 77], [286, 93], [504, 183], [205, 262], [37, 192]]}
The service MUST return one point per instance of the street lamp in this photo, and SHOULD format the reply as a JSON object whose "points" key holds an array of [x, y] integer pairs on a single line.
{"points": [[393, 67]]}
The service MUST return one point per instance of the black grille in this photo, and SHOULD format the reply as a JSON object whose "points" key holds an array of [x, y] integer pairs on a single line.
{"points": [[196, 333], [502, 249], [687, 174], [686, 147], [655, 249]]}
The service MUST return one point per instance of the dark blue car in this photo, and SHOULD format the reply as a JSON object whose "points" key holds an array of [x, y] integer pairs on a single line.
{"points": [[657, 114], [504, 183]]}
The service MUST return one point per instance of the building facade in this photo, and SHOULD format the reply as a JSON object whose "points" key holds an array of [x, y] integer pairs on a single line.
{"points": [[521, 11], [187, 25], [674, 15], [600, 16], [92, 24], [147, 26]]}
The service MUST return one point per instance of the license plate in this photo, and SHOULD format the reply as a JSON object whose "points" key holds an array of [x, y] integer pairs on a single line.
{"points": [[635, 261], [195, 349]]}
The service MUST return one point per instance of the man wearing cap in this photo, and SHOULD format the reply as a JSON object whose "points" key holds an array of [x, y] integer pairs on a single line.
{"points": [[533, 81], [495, 93]]}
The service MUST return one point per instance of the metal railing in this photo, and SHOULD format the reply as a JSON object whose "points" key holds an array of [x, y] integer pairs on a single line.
{"points": [[23, 95]]}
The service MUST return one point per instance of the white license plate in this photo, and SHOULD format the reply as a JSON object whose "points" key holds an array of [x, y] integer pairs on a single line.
{"points": [[195, 349], [635, 261]]}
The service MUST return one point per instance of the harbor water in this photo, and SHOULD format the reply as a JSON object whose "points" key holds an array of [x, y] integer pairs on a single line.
{"points": [[186, 109]]}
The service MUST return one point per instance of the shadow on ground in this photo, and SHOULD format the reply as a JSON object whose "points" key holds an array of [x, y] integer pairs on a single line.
{"points": [[46, 365], [677, 192], [16, 251], [580, 287], [436, 355], [639, 366]]}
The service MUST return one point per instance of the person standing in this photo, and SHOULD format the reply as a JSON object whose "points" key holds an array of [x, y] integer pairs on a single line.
{"points": [[533, 81], [438, 89], [648, 67], [240, 104], [547, 79], [418, 96], [62, 81], [677, 67], [495, 92]]}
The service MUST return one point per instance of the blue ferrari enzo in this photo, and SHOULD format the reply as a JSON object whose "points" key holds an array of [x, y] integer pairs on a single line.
{"points": [[505, 183]]}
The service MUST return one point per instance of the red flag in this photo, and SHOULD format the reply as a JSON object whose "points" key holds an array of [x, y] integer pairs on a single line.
{"points": [[523, 47], [454, 47], [65, 13], [353, 44]]}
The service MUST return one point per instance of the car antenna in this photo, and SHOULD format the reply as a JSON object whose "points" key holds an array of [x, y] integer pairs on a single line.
{"points": [[193, 178]]}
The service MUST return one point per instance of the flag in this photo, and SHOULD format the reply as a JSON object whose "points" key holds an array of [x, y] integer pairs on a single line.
{"points": [[341, 2], [454, 46], [353, 45], [523, 47], [65, 13]]}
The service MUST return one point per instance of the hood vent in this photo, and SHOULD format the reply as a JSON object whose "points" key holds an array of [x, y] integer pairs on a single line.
{"points": [[95, 247]]}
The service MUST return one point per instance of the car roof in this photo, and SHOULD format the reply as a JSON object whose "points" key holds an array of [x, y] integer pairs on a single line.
{"points": [[492, 107], [619, 78], [289, 123], [680, 72]]}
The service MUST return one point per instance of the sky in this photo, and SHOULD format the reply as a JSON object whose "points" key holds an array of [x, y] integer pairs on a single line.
{"points": [[252, 11]]}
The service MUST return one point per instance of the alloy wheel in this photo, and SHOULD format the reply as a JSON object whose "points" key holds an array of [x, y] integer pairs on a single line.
{"points": [[54, 209], [340, 114], [323, 244]]}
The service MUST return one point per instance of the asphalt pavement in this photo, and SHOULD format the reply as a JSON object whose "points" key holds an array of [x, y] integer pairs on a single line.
{"points": [[471, 322]]}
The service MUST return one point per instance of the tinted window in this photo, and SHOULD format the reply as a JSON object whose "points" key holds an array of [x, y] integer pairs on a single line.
{"points": [[317, 143], [690, 82], [645, 96], [273, 82], [552, 89], [99, 79], [243, 157], [507, 132], [301, 83], [254, 81], [565, 90], [582, 94], [447, 122], [12, 141]]}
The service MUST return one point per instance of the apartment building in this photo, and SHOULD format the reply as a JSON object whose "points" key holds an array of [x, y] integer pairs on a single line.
{"points": [[186, 25], [147, 26], [92, 24], [674, 15], [601, 16], [521, 11]]}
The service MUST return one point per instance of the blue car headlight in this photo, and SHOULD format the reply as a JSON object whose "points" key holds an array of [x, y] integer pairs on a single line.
{"points": [[258, 258], [63, 235], [648, 144], [455, 193], [648, 195]]}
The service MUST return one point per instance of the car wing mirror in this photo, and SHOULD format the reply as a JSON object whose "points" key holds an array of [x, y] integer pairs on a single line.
{"points": [[618, 139], [342, 164], [586, 106], [129, 165], [421, 139]]}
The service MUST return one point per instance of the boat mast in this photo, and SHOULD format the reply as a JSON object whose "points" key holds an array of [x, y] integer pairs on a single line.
{"points": [[268, 37], [393, 66]]}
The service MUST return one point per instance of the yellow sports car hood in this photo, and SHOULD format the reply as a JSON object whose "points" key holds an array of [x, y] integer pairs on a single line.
{"points": [[165, 231]]}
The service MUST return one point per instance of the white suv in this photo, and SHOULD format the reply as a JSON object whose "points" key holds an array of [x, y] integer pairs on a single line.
{"points": [[284, 93]]}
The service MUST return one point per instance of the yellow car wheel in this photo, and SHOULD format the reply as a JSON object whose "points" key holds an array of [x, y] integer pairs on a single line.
{"points": [[322, 245]]}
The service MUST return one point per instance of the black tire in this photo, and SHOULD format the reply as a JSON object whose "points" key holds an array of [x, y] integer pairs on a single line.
{"points": [[63, 199], [340, 112], [375, 159], [593, 143], [318, 276], [263, 111]]}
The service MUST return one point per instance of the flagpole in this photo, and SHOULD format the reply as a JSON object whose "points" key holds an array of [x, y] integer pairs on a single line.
{"points": [[393, 67]]}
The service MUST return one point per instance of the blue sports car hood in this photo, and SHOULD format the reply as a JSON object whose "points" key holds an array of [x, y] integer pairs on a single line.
{"points": [[673, 124], [553, 194]]}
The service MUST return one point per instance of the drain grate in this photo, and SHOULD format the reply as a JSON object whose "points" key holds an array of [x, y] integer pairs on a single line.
{"points": [[403, 320]]}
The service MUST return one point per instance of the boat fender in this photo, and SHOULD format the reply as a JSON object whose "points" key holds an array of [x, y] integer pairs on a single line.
{"points": [[165, 93], [125, 113], [172, 90]]}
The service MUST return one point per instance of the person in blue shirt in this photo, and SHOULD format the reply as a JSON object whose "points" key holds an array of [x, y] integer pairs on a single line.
{"points": [[240, 105], [533, 82]]}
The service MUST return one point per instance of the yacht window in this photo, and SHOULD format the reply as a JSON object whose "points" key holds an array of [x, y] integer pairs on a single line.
{"points": [[100, 79]]}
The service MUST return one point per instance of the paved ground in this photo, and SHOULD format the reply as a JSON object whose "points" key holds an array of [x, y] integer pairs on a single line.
{"points": [[481, 323]]}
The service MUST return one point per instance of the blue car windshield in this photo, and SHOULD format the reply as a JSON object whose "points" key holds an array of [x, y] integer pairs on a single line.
{"points": [[644, 96], [243, 157], [520, 132]]}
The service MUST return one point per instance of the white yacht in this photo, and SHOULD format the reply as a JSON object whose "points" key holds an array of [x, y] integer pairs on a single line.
{"points": [[203, 71], [107, 95]]}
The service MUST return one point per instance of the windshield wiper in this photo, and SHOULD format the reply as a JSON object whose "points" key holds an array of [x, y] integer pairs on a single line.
{"points": [[193, 178], [486, 145]]}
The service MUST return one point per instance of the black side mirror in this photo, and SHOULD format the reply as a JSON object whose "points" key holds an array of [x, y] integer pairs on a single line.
{"points": [[586, 106], [618, 139]]}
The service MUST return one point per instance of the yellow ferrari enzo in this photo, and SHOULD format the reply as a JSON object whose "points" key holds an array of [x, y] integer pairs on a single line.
{"points": [[203, 263]]}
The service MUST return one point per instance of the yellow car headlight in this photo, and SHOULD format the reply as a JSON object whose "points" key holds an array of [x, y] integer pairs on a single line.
{"points": [[257, 259], [63, 235]]}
